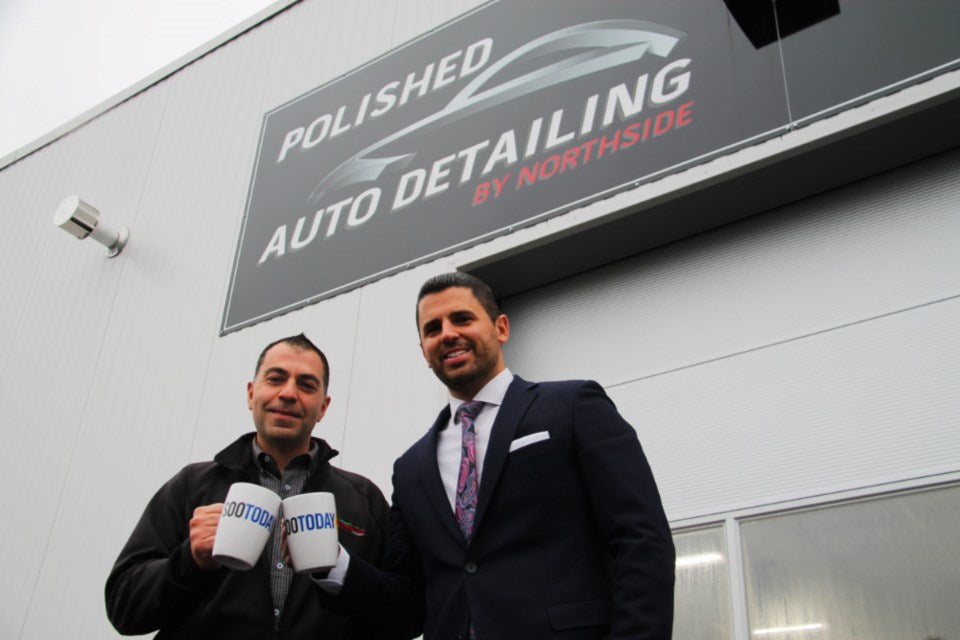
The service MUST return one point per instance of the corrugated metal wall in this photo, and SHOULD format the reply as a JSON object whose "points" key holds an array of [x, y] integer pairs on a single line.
{"points": [[805, 351], [113, 374]]}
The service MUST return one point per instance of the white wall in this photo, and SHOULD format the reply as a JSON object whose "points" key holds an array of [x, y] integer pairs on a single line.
{"points": [[803, 352], [112, 371]]}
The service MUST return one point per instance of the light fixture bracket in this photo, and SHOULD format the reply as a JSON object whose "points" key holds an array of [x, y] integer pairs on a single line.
{"points": [[81, 219]]}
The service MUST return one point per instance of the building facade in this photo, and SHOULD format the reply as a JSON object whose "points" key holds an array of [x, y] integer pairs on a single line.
{"points": [[777, 316]]}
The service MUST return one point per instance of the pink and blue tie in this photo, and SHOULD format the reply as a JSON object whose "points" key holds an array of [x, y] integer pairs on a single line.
{"points": [[467, 480]]}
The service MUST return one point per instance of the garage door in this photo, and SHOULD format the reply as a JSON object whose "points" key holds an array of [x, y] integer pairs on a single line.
{"points": [[809, 350]]}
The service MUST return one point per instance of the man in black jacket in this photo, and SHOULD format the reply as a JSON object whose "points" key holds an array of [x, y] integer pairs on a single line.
{"points": [[166, 578]]}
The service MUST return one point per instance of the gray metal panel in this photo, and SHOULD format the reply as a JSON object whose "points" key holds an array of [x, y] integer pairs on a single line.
{"points": [[155, 387], [31, 190], [668, 328], [61, 295], [335, 42], [860, 406], [879, 246], [23, 242], [415, 19], [141, 416], [394, 397]]}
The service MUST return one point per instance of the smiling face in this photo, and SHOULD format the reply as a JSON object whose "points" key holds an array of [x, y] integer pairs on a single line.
{"points": [[287, 399], [459, 340]]}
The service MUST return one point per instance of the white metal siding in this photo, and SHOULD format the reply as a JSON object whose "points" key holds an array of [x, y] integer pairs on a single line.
{"points": [[113, 374], [61, 297], [808, 350]]}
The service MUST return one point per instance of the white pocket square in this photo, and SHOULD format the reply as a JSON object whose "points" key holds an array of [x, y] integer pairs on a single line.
{"points": [[529, 439]]}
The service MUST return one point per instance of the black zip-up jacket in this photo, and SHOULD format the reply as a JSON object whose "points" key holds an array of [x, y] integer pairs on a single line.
{"points": [[155, 584]]}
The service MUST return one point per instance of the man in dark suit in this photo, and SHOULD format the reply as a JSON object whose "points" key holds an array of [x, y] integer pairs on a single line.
{"points": [[527, 511]]}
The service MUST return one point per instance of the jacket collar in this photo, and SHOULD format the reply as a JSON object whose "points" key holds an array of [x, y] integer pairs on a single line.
{"points": [[429, 472], [238, 455], [519, 395], [515, 404]]}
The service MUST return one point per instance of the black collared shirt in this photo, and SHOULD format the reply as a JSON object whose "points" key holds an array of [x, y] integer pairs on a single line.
{"points": [[288, 483]]}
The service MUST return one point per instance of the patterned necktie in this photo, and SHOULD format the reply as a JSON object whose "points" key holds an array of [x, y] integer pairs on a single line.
{"points": [[467, 485]]}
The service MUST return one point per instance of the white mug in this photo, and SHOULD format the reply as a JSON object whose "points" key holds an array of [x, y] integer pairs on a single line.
{"points": [[249, 511], [311, 522]]}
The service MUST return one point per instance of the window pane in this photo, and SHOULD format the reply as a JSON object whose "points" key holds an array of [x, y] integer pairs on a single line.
{"points": [[883, 569], [702, 610]]}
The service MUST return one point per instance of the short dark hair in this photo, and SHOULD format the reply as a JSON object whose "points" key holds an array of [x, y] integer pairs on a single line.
{"points": [[303, 343], [480, 289]]}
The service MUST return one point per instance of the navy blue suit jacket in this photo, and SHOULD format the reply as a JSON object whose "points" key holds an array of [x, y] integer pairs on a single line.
{"points": [[570, 538]]}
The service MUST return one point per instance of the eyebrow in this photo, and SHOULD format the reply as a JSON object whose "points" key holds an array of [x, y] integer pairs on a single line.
{"points": [[455, 314], [308, 376], [282, 371]]}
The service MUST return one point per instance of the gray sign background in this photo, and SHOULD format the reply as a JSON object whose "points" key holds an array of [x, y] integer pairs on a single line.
{"points": [[543, 56]]}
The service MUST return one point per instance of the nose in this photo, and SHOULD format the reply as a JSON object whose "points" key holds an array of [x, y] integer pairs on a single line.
{"points": [[448, 331], [288, 392]]}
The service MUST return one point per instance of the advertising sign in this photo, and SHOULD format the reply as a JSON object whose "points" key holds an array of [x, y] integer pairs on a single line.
{"points": [[508, 115]]}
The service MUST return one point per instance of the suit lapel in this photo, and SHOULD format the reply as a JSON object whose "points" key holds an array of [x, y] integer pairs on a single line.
{"points": [[519, 395], [430, 476]]}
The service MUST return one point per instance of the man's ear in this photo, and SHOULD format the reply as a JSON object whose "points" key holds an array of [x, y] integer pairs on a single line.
{"points": [[502, 324], [323, 408], [250, 396]]}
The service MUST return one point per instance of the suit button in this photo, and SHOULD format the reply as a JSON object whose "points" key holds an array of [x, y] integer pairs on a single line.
{"points": [[471, 567]]}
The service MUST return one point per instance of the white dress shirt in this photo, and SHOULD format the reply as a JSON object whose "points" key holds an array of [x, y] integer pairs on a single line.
{"points": [[449, 442], [449, 445]]}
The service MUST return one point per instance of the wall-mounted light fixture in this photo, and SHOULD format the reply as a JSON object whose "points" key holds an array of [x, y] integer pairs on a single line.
{"points": [[80, 220]]}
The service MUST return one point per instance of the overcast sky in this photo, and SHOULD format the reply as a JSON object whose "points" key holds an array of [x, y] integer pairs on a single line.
{"points": [[59, 58]]}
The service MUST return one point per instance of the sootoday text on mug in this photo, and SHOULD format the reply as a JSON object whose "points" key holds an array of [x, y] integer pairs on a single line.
{"points": [[249, 512], [311, 523]]}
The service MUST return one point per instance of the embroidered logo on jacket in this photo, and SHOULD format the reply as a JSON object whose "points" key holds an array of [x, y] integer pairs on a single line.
{"points": [[355, 530]]}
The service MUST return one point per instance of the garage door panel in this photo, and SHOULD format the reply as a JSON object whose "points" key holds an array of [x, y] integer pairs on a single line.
{"points": [[865, 404], [808, 350], [878, 247]]}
